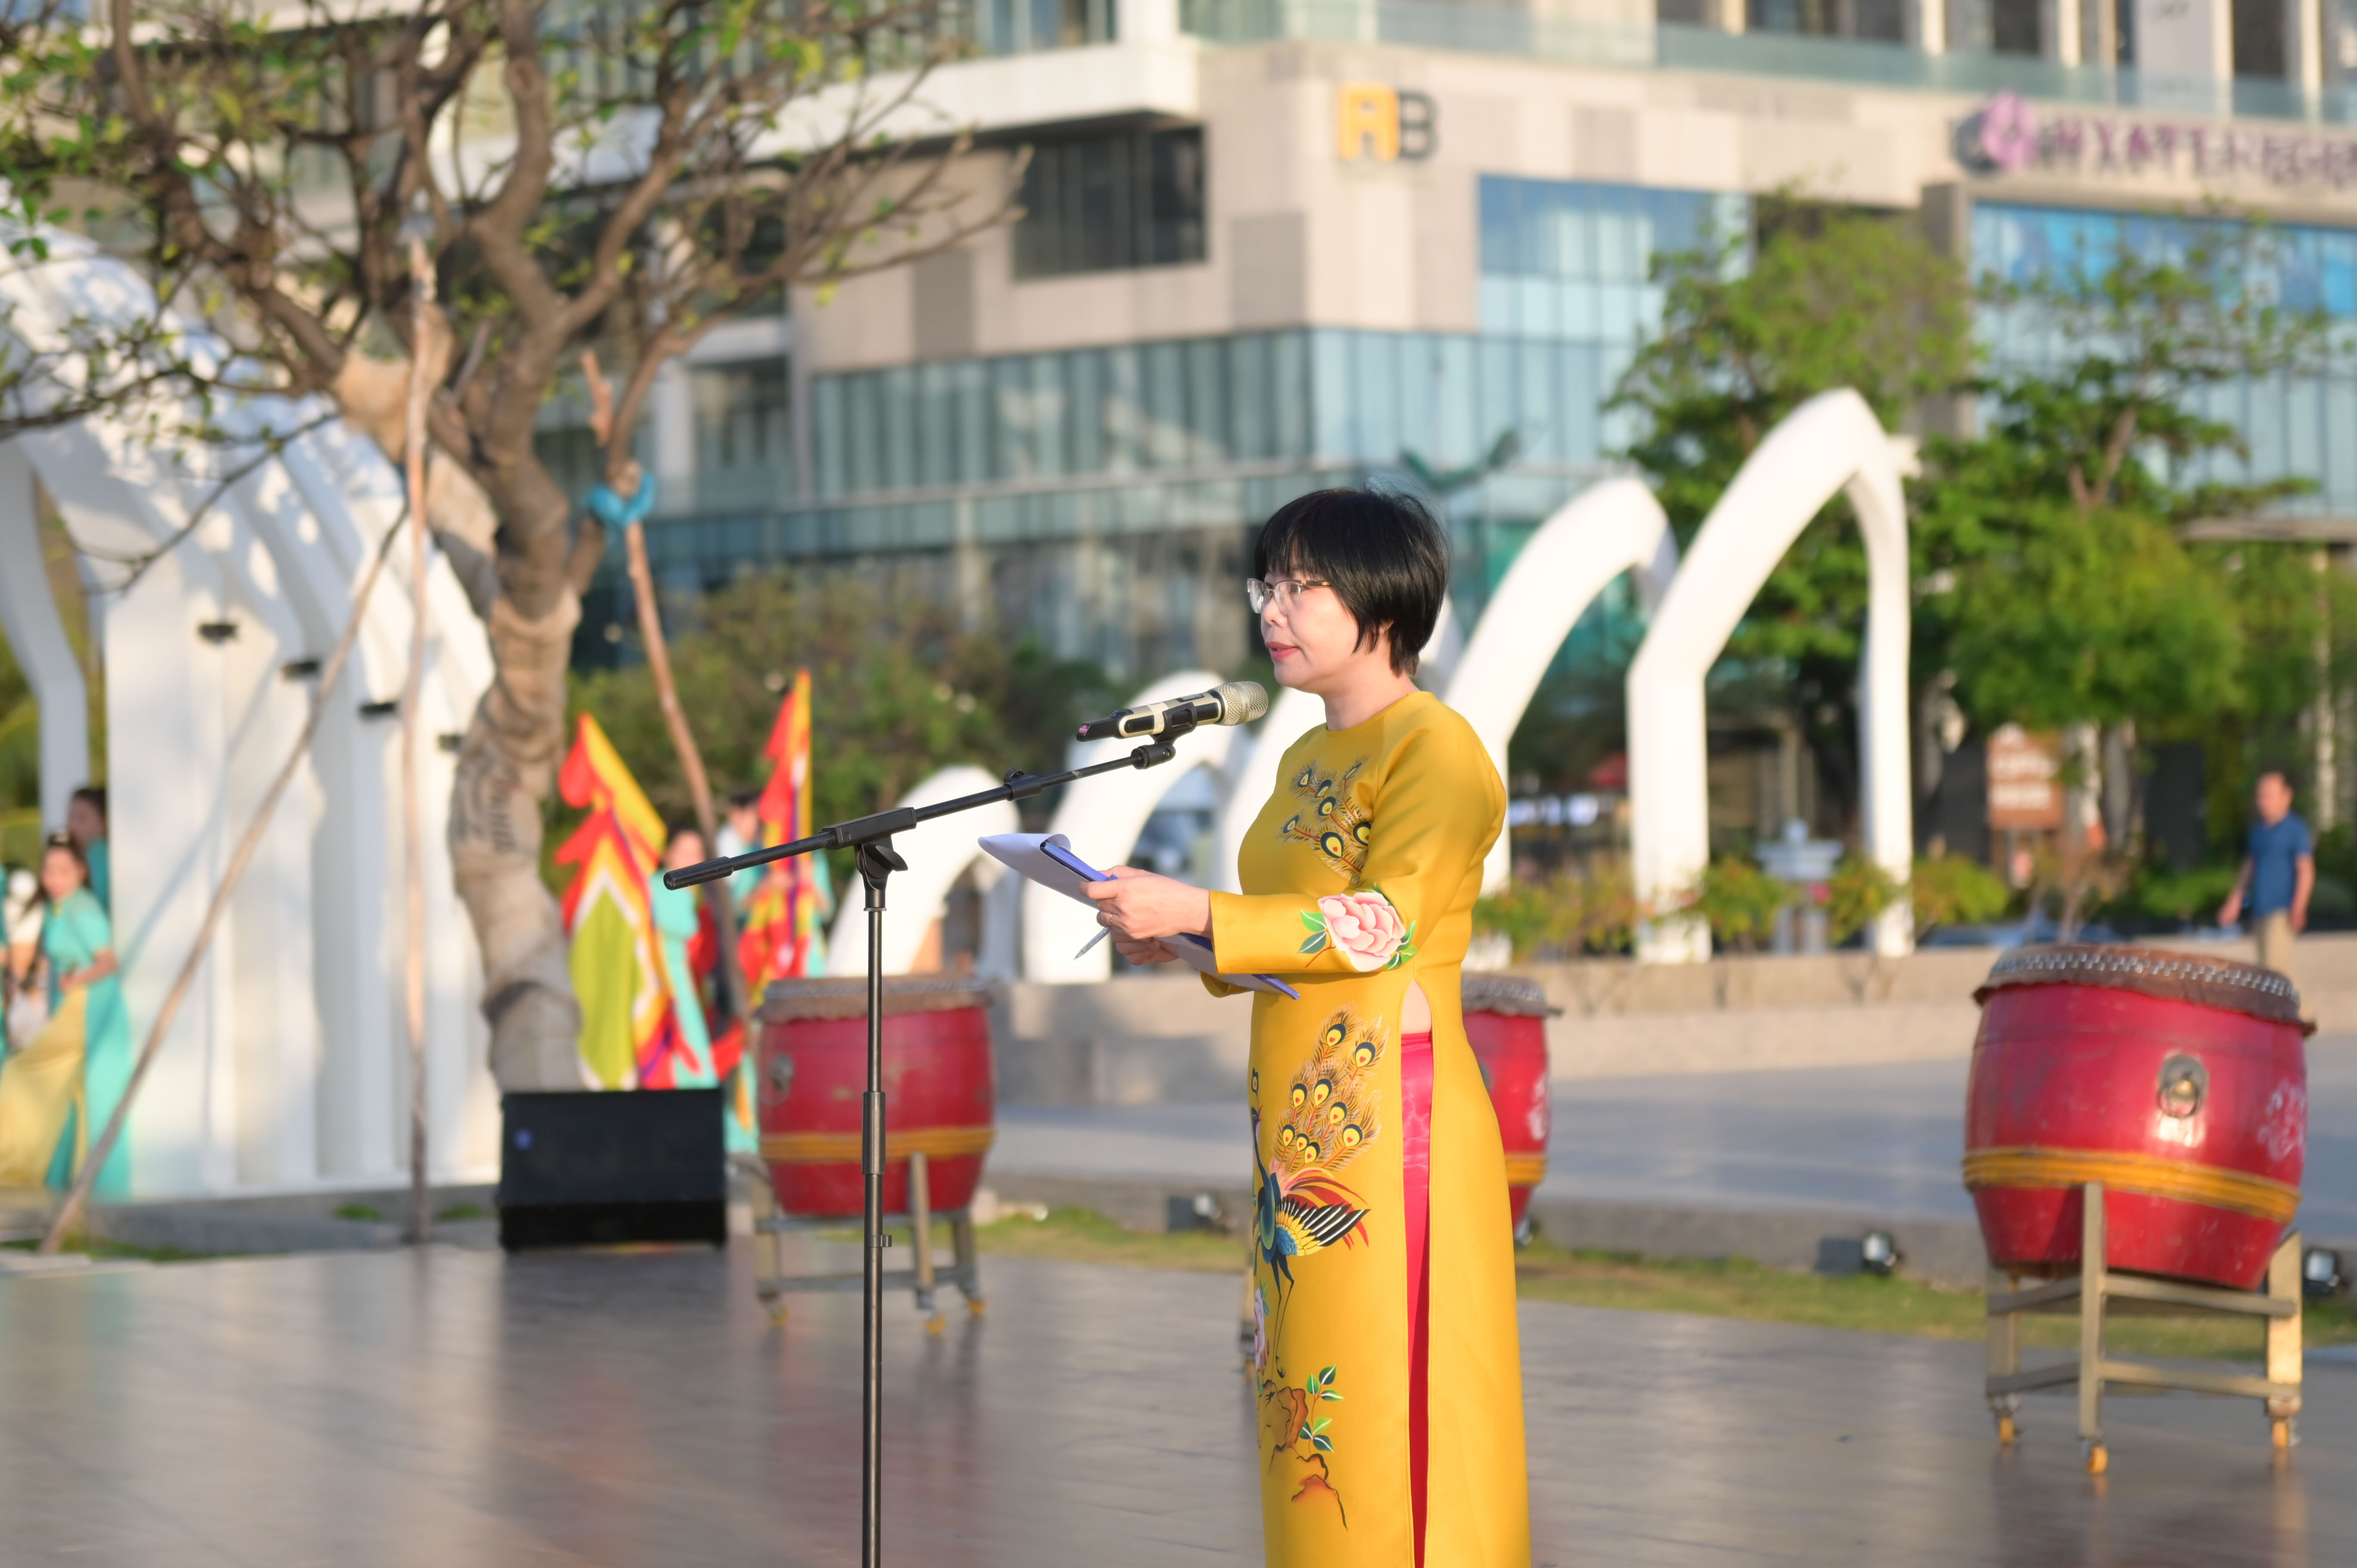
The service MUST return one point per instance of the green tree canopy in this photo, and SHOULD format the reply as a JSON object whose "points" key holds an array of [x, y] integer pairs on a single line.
{"points": [[2055, 582]]}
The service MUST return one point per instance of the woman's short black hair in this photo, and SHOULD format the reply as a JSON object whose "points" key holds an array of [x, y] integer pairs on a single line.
{"points": [[1384, 553]]}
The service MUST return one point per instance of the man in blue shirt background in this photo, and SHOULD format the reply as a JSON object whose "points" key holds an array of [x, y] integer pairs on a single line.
{"points": [[2278, 874]]}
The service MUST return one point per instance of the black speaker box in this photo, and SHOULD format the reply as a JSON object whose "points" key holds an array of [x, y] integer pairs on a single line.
{"points": [[583, 1168]]}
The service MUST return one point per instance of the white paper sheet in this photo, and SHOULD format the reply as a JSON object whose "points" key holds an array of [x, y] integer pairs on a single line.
{"points": [[1022, 853]]}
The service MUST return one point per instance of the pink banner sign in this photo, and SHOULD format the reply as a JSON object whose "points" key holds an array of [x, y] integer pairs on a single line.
{"points": [[2009, 137]]}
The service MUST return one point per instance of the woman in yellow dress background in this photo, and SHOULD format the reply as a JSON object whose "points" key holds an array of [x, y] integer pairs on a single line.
{"points": [[1386, 1364]]}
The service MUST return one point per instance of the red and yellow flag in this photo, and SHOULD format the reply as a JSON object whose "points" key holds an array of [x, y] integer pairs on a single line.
{"points": [[781, 926], [616, 966]]}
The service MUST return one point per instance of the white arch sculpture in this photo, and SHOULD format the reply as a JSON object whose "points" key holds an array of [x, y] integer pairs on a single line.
{"points": [[1102, 817], [1832, 442], [938, 854], [286, 1070], [1610, 528]]}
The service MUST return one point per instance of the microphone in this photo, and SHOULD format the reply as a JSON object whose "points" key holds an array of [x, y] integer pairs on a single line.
{"points": [[1237, 702]]}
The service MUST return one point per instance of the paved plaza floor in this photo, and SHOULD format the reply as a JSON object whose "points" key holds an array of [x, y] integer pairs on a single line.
{"points": [[458, 1408], [1880, 1141]]}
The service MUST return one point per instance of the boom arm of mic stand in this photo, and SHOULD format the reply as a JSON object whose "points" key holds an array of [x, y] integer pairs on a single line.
{"points": [[1019, 786]]}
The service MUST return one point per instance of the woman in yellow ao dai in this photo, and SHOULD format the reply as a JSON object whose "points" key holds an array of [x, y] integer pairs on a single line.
{"points": [[1387, 1370]]}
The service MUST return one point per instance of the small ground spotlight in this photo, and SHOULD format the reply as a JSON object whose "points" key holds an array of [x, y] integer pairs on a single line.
{"points": [[1195, 1211], [2319, 1273], [1878, 1253]]}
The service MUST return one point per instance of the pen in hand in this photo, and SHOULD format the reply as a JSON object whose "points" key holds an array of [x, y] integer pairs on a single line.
{"points": [[1093, 941]]}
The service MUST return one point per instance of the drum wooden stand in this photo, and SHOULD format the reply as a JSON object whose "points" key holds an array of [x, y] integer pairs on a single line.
{"points": [[771, 1282], [2096, 1292]]}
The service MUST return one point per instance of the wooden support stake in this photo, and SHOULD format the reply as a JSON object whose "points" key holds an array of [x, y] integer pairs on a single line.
{"points": [[2091, 1258], [969, 1259], [413, 829], [2283, 1347], [921, 1220], [2004, 1347]]}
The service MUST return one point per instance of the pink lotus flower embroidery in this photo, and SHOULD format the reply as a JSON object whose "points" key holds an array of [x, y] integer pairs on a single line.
{"points": [[1364, 927]]}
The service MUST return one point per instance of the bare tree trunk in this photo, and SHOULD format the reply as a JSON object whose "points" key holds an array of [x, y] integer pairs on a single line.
{"points": [[507, 761], [507, 766]]}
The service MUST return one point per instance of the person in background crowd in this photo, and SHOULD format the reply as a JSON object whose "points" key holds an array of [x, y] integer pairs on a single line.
{"points": [[740, 833], [2278, 874], [86, 825], [61, 1090]]}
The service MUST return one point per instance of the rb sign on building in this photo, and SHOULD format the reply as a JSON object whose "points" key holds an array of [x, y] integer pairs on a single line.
{"points": [[1383, 124]]}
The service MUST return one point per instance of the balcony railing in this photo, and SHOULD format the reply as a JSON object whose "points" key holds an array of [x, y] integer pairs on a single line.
{"points": [[1476, 28]]}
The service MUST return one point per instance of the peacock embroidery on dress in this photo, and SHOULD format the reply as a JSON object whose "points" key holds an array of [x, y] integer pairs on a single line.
{"points": [[1304, 1208], [1331, 821]]}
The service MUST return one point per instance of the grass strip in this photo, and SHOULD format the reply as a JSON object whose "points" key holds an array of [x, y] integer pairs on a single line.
{"points": [[1716, 1288], [76, 1241]]}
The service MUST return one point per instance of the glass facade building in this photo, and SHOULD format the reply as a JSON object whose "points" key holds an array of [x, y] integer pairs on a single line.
{"points": [[1195, 365], [1079, 476], [2300, 425]]}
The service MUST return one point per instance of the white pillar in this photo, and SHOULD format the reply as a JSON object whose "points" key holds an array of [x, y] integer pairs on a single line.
{"points": [[1146, 21], [36, 633], [1927, 27], [2304, 45], [2062, 18]]}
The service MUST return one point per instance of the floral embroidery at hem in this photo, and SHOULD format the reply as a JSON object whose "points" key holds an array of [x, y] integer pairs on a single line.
{"points": [[1303, 1210], [1363, 928], [1331, 822]]}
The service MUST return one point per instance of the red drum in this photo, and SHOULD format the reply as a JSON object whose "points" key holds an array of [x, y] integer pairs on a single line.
{"points": [[2179, 1082], [1505, 1020], [937, 1089]]}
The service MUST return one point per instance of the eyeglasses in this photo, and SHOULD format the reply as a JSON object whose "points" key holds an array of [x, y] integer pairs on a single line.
{"points": [[1288, 592]]}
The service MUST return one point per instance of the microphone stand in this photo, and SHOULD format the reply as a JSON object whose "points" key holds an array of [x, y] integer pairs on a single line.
{"points": [[872, 837]]}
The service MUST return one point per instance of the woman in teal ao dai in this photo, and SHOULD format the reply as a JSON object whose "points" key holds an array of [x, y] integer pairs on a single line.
{"points": [[62, 1088]]}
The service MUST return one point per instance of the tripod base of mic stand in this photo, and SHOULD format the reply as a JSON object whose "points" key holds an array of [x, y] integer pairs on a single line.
{"points": [[925, 1277]]}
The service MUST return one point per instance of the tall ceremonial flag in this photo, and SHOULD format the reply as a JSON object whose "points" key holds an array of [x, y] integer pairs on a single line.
{"points": [[782, 931], [617, 973]]}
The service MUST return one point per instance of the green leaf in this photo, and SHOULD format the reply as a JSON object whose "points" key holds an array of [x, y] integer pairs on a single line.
{"points": [[1330, 1394], [1314, 943], [1313, 919], [1331, 1374], [1323, 1444]]}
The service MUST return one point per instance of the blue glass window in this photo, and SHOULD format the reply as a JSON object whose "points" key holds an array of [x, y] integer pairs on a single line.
{"points": [[2301, 426]]}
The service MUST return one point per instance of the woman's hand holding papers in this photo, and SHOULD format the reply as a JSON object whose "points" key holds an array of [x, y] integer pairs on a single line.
{"points": [[1140, 908]]}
